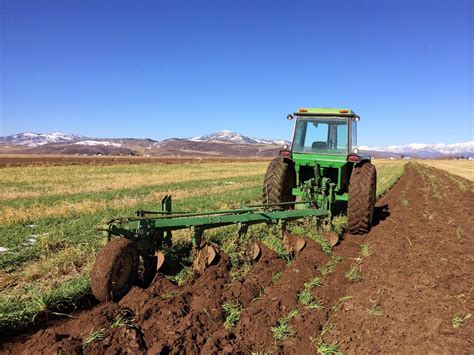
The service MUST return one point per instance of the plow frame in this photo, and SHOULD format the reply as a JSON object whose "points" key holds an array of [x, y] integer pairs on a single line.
{"points": [[154, 228]]}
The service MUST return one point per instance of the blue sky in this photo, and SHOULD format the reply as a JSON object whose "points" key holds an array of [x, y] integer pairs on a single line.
{"points": [[175, 69]]}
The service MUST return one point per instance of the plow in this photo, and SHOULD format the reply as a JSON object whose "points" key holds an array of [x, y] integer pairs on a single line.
{"points": [[320, 175]]}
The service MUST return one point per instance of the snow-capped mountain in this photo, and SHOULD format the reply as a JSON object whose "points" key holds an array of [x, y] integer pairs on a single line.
{"points": [[225, 143], [96, 143], [31, 139], [236, 144], [465, 149], [234, 137]]}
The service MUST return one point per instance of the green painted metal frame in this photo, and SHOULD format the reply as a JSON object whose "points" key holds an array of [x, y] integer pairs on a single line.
{"points": [[154, 233], [322, 162]]}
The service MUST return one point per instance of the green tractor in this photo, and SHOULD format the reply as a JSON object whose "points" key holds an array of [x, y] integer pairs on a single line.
{"points": [[325, 168]]}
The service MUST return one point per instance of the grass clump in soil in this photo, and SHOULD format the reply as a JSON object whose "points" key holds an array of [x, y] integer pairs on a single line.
{"points": [[340, 303], [275, 243], [376, 309], [181, 277], [354, 274], [276, 276], [232, 311], [169, 295], [328, 349], [364, 250], [283, 329], [306, 298], [94, 336], [339, 224], [459, 320], [124, 319], [330, 265]]}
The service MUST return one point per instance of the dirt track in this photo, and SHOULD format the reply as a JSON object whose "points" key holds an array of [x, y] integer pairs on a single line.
{"points": [[419, 274]]}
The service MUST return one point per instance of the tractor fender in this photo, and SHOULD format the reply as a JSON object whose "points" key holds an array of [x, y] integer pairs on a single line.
{"points": [[358, 159], [285, 153], [286, 159]]}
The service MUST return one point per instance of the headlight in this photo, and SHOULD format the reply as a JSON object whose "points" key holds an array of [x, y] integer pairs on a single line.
{"points": [[355, 150]]}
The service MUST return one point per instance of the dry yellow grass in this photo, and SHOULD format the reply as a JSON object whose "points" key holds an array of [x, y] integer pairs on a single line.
{"points": [[388, 172], [10, 215], [463, 168], [28, 182], [65, 180]]}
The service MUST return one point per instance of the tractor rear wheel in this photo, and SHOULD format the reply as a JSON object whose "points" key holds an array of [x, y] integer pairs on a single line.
{"points": [[362, 189], [280, 179], [115, 270]]}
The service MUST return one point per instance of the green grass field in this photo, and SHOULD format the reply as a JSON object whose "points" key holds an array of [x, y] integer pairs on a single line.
{"points": [[47, 236]]}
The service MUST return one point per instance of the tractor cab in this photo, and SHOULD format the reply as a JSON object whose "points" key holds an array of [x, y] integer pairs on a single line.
{"points": [[327, 134]]}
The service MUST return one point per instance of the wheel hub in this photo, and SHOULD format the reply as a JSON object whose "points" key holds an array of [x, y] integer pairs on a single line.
{"points": [[122, 271]]}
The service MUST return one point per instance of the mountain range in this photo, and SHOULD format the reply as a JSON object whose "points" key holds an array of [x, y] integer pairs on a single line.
{"points": [[223, 143], [424, 151]]}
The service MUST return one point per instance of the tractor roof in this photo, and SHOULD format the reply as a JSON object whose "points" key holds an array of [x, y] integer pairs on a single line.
{"points": [[325, 111]]}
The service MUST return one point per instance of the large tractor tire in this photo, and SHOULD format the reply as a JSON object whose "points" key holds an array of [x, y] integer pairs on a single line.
{"points": [[362, 189], [280, 179], [115, 270]]}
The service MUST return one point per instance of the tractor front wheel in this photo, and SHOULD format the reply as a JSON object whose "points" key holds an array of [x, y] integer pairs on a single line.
{"points": [[115, 270], [362, 190], [280, 179]]}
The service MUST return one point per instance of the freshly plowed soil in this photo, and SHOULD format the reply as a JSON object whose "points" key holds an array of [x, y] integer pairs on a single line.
{"points": [[419, 274]]}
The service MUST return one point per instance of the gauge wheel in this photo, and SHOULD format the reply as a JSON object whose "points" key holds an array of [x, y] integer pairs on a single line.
{"points": [[115, 270]]}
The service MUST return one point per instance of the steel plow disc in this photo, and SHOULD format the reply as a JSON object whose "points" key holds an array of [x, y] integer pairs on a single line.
{"points": [[205, 256], [211, 254], [256, 252], [332, 238], [160, 260], [293, 243], [300, 243]]}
